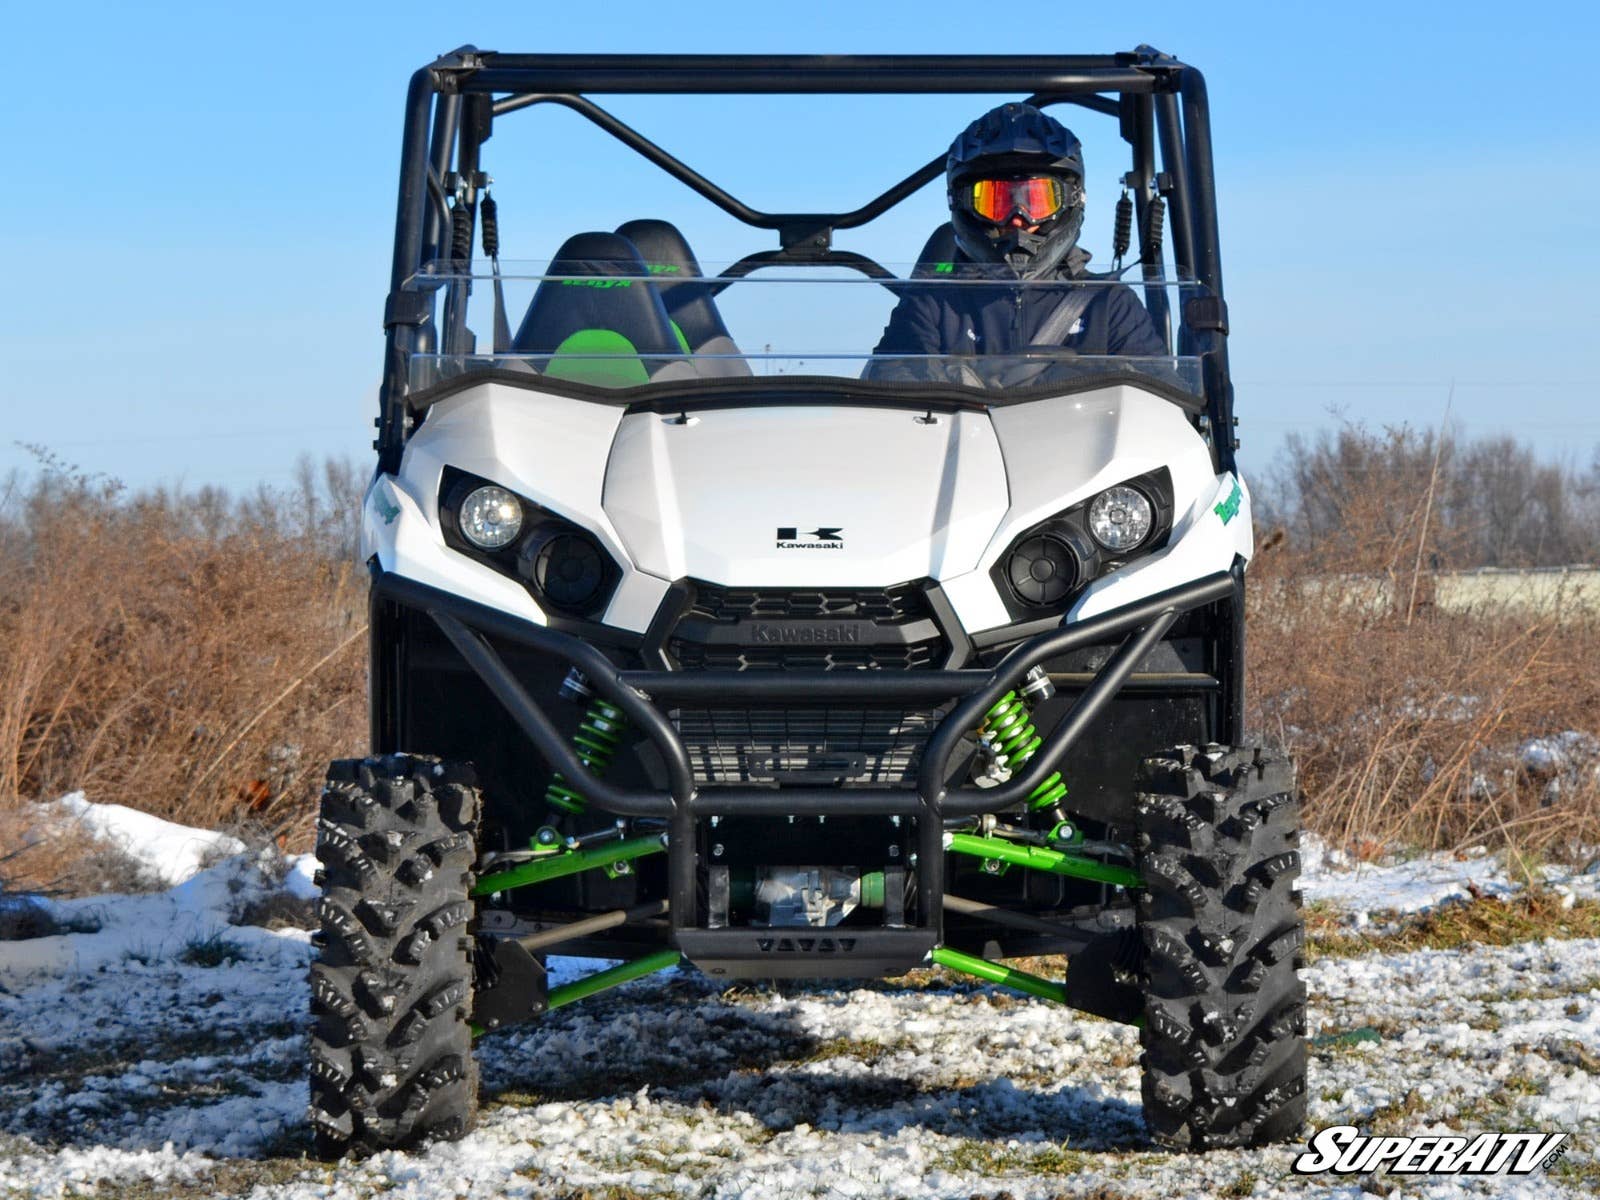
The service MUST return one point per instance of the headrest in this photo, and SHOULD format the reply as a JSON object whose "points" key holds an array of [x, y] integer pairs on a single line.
{"points": [[669, 259], [939, 251], [576, 315]]}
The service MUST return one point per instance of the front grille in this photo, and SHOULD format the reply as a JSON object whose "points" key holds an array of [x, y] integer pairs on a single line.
{"points": [[800, 629], [816, 747]]}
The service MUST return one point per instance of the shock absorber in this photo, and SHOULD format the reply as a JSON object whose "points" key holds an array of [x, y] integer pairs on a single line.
{"points": [[1122, 231], [460, 232], [1007, 730], [1155, 214], [599, 734]]}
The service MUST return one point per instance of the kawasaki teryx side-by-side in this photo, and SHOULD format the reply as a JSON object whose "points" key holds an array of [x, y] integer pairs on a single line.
{"points": [[703, 635]]}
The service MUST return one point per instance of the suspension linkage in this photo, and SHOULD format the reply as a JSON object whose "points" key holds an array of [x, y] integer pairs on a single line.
{"points": [[1041, 858], [602, 856]]}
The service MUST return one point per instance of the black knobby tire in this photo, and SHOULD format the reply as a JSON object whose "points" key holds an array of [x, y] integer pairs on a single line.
{"points": [[391, 1047], [1224, 1014]]}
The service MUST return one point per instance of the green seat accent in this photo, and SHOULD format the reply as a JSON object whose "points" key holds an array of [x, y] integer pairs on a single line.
{"points": [[621, 368], [677, 332]]}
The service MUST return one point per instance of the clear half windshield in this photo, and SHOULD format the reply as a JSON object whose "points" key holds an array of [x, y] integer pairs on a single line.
{"points": [[947, 325]]}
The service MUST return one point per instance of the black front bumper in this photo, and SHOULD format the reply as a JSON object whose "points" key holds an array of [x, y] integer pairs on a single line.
{"points": [[644, 696]]}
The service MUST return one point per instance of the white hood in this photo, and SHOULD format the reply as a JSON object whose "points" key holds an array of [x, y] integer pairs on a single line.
{"points": [[875, 496], [870, 494]]}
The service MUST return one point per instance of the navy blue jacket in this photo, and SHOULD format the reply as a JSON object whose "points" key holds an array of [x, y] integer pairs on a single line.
{"points": [[979, 319]]}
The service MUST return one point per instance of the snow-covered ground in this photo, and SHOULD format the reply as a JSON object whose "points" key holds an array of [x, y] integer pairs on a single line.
{"points": [[154, 1046]]}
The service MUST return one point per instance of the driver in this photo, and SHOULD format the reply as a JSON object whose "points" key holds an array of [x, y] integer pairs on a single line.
{"points": [[1015, 179]]}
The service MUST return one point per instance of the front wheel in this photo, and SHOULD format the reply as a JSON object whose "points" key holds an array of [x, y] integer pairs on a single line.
{"points": [[391, 1047], [1224, 1013]]}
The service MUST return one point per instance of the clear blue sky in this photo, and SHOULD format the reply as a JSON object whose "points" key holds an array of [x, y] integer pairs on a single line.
{"points": [[201, 198]]}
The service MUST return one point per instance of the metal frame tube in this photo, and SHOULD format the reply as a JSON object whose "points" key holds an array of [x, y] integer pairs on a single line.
{"points": [[720, 75], [835, 685], [571, 931], [589, 985], [1170, 134], [1041, 858], [1161, 609], [1012, 919], [804, 802], [1020, 981], [1207, 239], [928, 803], [408, 236], [552, 747], [970, 801], [562, 863], [1144, 191], [441, 148]]}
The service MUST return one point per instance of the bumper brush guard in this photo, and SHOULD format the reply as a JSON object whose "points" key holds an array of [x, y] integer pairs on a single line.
{"points": [[774, 952]]}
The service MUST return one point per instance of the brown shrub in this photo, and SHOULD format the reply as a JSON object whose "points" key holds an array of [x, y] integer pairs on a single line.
{"points": [[186, 655], [1406, 719], [202, 658]]}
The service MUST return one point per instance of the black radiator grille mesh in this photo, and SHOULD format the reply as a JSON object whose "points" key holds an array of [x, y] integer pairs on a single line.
{"points": [[817, 747], [721, 608]]}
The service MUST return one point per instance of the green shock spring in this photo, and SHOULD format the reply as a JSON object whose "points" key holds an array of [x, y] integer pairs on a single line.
{"points": [[596, 743], [1008, 730]]}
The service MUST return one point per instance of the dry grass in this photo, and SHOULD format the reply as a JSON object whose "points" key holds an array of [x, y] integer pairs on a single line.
{"points": [[1529, 916], [1406, 720], [202, 657], [193, 656]]}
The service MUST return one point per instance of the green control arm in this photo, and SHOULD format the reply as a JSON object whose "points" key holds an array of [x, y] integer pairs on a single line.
{"points": [[1041, 858]]}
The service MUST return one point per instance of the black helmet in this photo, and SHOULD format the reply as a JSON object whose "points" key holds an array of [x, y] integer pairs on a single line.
{"points": [[1016, 141]]}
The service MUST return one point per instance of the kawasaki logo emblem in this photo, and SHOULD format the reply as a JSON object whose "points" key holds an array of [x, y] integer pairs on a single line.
{"points": [[386, 510], [831, 633], [827, 537], [1229, 509], [597, 283]]}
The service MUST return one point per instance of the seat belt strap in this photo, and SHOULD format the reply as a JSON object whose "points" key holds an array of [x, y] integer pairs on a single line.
{"points": [[1059, 324]]}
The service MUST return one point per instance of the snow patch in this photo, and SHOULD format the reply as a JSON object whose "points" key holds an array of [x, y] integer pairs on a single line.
{"points": [[120, 1062], [170, 852]]}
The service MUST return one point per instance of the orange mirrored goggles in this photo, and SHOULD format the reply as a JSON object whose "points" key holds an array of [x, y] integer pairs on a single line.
{"points": [[1034, 199]]}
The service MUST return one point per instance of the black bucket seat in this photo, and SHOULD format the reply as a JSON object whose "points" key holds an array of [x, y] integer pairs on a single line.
{"points": [[688, 298], [605, 326], [938, 254]]}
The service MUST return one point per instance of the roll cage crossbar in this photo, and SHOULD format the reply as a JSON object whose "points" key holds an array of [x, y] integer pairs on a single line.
{"points": [[451, 106]]}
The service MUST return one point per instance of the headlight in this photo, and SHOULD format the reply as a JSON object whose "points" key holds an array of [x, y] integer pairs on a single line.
{"points": [[1042, 570], [1053, 561], [1120, 518], [490, 517], [566, 566]]}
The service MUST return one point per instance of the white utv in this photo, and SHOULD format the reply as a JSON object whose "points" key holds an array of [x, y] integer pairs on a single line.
{"points": [[800, 663]]}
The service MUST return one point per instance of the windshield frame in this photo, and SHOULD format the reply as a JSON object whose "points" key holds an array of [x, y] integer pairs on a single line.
{"points": [[690, 395], [1160, 103]]}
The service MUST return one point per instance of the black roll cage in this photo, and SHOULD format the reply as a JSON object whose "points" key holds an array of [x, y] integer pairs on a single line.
{"points": [[451, 105]]}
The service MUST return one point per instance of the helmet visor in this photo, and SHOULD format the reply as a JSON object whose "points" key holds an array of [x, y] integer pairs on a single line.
{"points": [[1036, 198]]}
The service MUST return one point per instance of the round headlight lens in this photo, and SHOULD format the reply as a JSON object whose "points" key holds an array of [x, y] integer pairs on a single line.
{"points": [[1120, 518], [490, 518]]}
